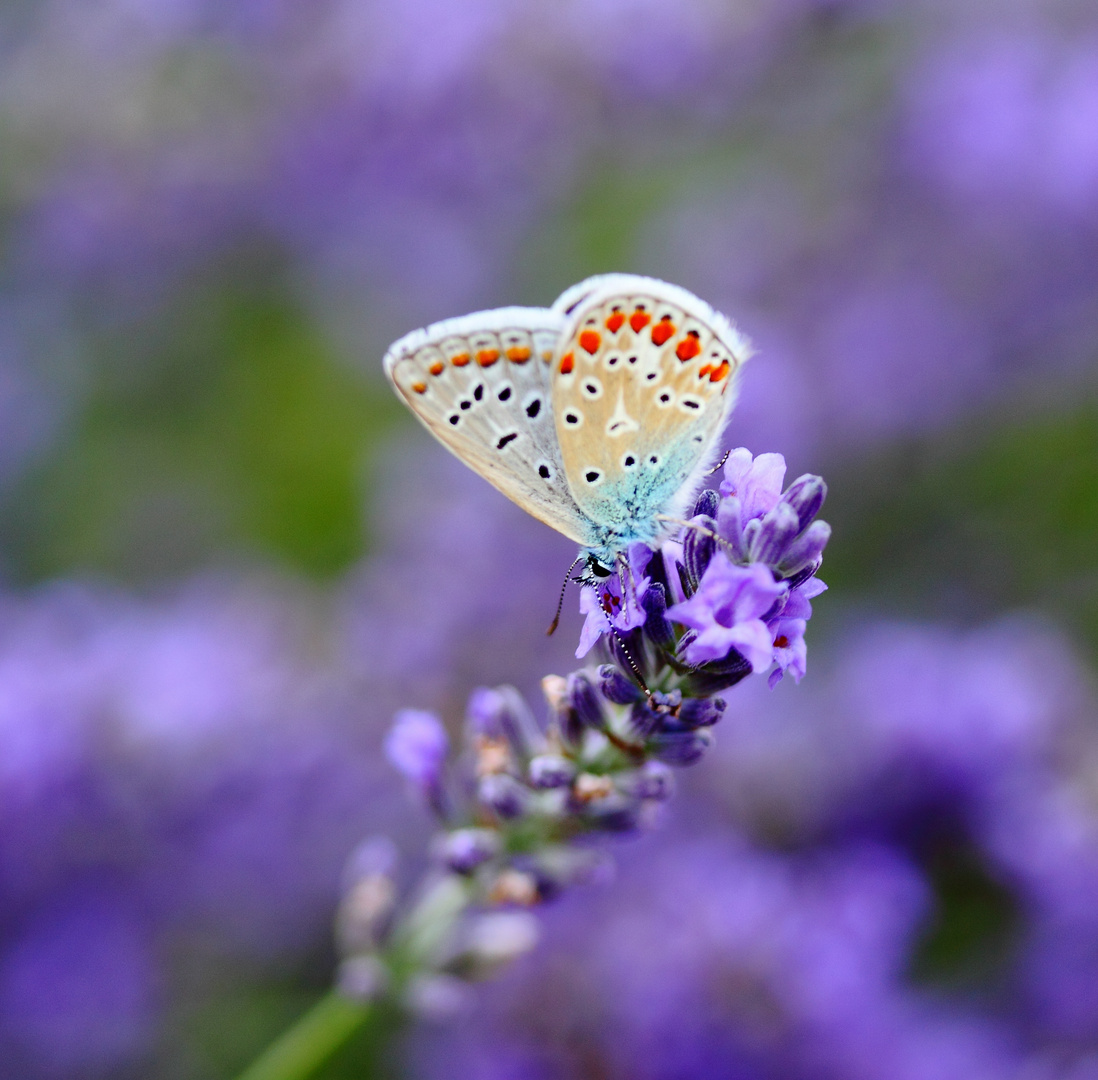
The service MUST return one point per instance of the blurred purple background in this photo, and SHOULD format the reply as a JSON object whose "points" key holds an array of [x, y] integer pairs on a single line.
{"points": [[227, 556]]}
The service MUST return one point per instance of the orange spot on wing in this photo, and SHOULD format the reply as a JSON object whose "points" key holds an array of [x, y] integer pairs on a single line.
{"points": [[518, 354], [436, 367], [689, 347], [663, 330], [614, 322], [419, 387], [487, 357], [705, 370], [460, 360], [590, 341], [639, 320], [567, 363], [720, 372]]}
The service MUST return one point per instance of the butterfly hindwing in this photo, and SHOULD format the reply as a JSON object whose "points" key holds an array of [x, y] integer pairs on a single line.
{"points": [[481, 385], [643, 381]]}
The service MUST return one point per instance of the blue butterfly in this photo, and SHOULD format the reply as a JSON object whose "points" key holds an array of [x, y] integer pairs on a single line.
{"points": [[600, 415]]}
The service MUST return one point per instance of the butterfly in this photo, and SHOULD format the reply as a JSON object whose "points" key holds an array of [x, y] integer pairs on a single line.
{"points": [[600, 415]]}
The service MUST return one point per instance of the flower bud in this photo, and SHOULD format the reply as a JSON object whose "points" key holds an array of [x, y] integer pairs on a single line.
{"points": [[730, 527], [437, 997], [806, 495], [501, 713], [499, 937], [585, 700], [362, 978], [550, 771], [653, 781], [464, 850], [568, 723], [616, 687], [643, 720], [616, 815], [681, 747], [701, 712], [416, 746], [656, 626], [364, 913], [555, 689], [503, 794], [590, 787], [698, 546], [493, 755], [776, 531], [514, 887], [806, 549], [707, 504], [377, 855]]}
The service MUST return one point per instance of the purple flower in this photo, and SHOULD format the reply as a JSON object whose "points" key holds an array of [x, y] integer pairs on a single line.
{"points": [[617, 601], [727, 613], [760, 524], [790, 651], [756, 482], [464, 850], [416, 746]]}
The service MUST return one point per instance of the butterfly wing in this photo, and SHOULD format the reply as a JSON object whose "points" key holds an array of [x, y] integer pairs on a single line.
{"points": [[643, 382], [481, 385]]}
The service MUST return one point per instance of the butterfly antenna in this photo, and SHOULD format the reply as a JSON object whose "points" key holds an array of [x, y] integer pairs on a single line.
{"points": [[560, 602], [720, 464], [629, 660]]}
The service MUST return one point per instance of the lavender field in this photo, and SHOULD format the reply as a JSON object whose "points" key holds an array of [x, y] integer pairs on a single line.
{"points": [[229, 556]]}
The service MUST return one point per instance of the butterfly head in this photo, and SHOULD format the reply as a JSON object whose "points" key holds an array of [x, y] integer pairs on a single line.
{"points": [[596, 567]]}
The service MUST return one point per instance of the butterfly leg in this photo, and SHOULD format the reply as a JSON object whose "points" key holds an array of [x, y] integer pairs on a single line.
{"points": [[699, 528]]}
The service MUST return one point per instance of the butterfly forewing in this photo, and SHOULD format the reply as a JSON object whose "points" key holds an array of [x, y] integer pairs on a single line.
{"points": [[481, 385], [642, 384]]}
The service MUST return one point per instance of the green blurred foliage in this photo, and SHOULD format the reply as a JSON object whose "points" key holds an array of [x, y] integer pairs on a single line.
{"points": [[997, 514], [223, 424]]}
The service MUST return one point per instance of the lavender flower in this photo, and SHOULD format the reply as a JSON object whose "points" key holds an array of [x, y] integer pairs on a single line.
{"points": [[741, 575], [599, 764], [417, 746], [726, 611]]}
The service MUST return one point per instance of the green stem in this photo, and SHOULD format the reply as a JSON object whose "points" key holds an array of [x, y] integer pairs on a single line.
{"points": [[301, 1050]]}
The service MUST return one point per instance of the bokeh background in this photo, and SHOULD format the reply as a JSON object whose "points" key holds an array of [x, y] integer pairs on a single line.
{"points": [[227, 554]]}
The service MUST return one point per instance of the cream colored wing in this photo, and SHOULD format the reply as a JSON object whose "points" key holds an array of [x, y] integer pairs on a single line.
{"points": [[643, 383], [481, 385]]}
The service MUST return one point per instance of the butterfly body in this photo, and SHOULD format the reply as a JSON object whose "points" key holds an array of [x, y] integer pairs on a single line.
{"points": [[599, 416]]}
